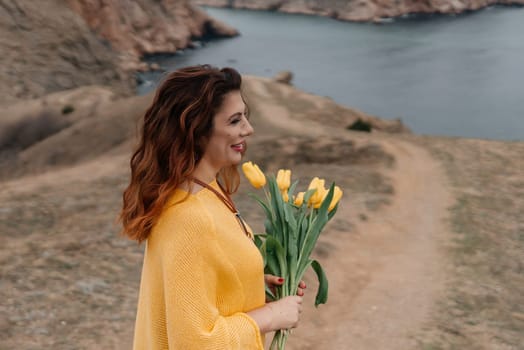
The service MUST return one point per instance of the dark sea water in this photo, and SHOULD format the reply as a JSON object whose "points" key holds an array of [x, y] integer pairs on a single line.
{"points": [[442, 75]]}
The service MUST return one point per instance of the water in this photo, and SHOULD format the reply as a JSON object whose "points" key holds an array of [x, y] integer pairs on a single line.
{"points": [[442, 75]]}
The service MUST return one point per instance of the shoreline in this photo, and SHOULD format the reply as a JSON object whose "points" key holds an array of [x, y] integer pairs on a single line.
{"points": [[377, 16]]}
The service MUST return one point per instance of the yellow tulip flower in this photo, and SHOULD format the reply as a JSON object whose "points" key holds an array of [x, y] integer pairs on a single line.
{"points": [[253, 173], [283, 179], [337, 194], [299, 198], [313, 186], [285, 196], [322, 194], [316, 199]]}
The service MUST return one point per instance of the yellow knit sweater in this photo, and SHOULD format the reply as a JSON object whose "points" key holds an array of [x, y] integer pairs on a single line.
{"points": [[200, 275]]}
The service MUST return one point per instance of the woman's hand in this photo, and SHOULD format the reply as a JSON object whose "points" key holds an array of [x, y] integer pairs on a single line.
{"points": [[274, 281], [285, 312], [280, 314]]}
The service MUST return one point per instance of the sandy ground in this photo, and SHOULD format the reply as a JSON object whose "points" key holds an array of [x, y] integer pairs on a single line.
{"points": [[387, 279], [68, 281], [386, 273]]}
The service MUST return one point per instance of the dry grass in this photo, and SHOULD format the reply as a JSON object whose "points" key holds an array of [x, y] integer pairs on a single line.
{"points": [[69, 281], [26, 131], [67, 277], [484, 304]]}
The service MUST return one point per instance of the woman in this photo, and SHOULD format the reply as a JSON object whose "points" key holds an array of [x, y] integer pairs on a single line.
{"points": [[202, 283]]}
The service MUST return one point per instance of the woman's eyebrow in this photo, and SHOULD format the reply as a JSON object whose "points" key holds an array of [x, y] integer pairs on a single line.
{"points": [[238, 113], [234, 115]]}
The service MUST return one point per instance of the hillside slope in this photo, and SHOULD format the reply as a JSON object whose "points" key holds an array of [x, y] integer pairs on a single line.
{"points": [[54, 45], [361, 10], [425, 253]]}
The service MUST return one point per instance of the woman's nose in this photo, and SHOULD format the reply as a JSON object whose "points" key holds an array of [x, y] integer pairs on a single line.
{"points": [[248, 128]]}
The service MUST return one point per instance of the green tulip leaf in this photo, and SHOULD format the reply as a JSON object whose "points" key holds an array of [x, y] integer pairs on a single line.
{"points": [[322, 293]]}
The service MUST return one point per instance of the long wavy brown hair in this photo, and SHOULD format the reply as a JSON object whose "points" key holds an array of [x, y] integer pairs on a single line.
{"points": [[175, 131]]}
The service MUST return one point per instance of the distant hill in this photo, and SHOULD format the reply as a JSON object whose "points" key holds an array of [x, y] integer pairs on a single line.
{"points": [[69, 127], [360, 10], [53, 45], [425, 250]]}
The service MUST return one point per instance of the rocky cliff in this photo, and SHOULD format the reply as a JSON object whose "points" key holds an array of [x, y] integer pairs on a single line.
{"points": [[46, 47], [138, 27], [360, 10], [52, 45]]}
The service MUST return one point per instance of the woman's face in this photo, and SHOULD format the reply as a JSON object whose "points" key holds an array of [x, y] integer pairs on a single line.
{"points": [[231, 128]]}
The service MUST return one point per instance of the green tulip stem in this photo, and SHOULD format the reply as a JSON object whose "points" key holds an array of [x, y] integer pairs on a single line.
{"points": [[280, 339], [268, 200]]}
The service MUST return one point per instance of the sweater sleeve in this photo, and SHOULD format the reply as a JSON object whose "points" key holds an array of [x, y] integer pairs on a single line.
{"points": [[190, 259]]}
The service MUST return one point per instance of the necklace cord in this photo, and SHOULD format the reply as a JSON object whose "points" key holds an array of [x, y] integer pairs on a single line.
{"points": [[228, 202]]}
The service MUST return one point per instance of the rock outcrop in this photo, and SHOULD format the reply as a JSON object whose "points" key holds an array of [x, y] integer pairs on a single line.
{"points": [[361, 10], [54, 45], [284, 77], [139, 27], [46, 47]]}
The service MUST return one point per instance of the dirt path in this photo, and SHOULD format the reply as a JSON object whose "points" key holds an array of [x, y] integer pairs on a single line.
{"points": [[387, 274], [384, 266]]}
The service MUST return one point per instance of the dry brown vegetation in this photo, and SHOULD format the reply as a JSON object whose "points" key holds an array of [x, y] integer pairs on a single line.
{"points": [[401, 277], [483, 307]]}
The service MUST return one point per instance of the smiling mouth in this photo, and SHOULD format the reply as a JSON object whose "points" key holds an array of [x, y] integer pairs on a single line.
{"points": [[239, 147]]}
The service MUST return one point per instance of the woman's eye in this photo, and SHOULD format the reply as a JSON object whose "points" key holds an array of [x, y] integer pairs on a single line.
{"points": [[235, 121]]}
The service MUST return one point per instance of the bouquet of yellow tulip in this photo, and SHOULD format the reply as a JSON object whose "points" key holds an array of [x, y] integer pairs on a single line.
{"points": [[293, 224]]}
